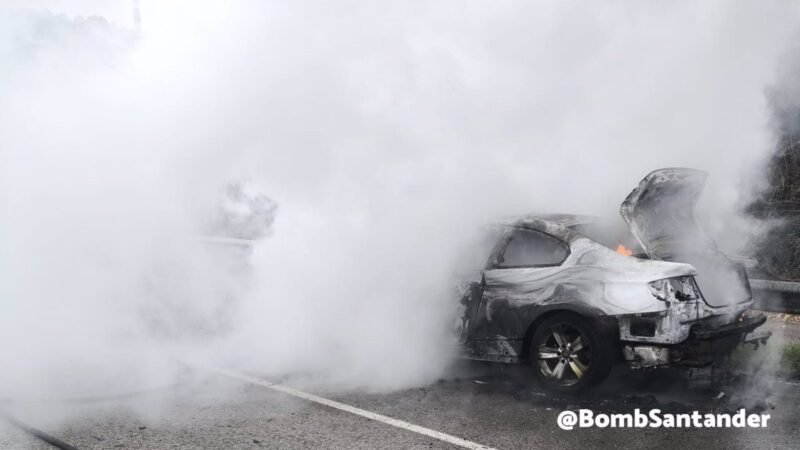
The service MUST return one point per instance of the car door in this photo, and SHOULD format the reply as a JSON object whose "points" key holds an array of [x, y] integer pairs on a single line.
{"points": [[518, 277]]}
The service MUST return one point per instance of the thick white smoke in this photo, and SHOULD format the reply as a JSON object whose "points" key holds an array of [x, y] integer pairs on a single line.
{"points": [[386, 132]]}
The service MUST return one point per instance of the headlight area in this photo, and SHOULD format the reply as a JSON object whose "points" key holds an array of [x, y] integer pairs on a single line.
{"points": [[675, 289], [670, 326], [667, 337]]}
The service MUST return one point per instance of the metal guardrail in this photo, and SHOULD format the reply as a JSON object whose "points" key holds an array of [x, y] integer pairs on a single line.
{"points": [[776, 296]]}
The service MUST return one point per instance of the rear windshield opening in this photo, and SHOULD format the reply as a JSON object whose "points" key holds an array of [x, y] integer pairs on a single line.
{"points": [[615, 236]]}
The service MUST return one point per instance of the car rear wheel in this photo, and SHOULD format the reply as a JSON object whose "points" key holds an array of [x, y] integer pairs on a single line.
{"points": [[568, 353]]}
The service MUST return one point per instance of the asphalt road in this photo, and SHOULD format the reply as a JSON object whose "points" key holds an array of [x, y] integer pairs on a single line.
{"points": [[480, 403], [486, 406]]}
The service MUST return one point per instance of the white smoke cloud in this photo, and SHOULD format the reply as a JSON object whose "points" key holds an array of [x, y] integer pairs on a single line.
{"points": [[386, 133]]}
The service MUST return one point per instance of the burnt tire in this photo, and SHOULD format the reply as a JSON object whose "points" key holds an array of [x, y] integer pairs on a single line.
{"points": [[569, 353]]}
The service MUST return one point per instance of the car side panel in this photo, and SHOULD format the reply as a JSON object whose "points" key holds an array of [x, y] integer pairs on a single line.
{"points": [[507, 309], [592, 281]]}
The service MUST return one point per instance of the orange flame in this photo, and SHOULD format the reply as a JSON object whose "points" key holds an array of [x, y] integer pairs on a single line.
{"points": [[625, 251]]}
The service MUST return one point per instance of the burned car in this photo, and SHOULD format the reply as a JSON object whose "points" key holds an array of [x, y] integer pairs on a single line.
{"points": [[571, 295]]}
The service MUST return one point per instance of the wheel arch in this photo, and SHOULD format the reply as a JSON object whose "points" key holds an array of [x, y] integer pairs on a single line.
{"points": [[595, 315]]}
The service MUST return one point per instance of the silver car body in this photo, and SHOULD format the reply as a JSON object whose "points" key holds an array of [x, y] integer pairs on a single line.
{"points": [[593, 280]]}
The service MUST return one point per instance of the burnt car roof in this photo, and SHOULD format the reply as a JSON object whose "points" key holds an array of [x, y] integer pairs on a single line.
{"points": [[564, 220], [558, 225]]}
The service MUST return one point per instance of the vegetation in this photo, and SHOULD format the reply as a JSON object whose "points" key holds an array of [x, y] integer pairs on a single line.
{"points": [[790, 359]]}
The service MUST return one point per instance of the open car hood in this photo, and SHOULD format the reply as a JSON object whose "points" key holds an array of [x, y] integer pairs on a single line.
{"points": [[660, 214], [660, 211]]}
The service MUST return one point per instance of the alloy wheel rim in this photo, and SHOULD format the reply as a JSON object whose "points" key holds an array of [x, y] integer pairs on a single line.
{"points": [[563, 354]]}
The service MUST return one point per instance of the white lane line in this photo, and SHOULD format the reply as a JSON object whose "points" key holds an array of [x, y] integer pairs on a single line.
{"points": [[450, 439]]}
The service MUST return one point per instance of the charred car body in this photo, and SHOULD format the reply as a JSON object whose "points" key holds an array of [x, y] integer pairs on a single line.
{"points": [[570, 295]]}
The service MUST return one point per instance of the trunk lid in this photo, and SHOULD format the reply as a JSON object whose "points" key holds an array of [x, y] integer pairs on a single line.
{"points": [[660, 214]]}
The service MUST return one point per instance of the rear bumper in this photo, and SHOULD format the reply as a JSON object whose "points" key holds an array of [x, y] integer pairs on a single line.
{"points": [[704, 346], [741, 327]]}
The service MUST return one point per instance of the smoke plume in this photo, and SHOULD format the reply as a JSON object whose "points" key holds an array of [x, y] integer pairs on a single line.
{"points": [[386, 133]]}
